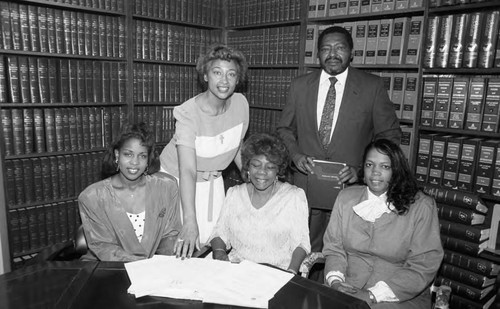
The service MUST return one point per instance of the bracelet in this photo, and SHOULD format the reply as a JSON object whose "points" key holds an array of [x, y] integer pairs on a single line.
{"points": [[219, 249]]}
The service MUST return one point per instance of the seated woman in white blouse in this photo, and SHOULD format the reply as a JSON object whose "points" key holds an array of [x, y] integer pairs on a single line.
{"points": [[134, 213], [263, 220], [382, 243]]}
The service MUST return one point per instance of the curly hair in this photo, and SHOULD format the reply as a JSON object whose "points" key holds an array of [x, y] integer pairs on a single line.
{"points": [[222, 52], [139, 131], [270, 146], [402, 187]]}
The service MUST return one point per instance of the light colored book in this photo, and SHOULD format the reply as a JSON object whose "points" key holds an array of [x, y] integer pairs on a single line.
{"points": [[310, 49], [384, 41], [359, 38], [371, 42], [414, 39], [399, 40]]}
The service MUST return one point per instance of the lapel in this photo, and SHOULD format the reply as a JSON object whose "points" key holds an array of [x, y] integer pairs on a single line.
{"points": [[124, 229], [311, 91], [351, 94]]}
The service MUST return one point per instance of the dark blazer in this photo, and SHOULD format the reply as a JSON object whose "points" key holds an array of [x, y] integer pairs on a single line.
{"points": [[366, 113]]}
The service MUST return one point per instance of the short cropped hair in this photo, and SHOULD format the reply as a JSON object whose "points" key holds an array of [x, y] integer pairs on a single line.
{"points": [[335, 29], [222, 52], [270, 146]]}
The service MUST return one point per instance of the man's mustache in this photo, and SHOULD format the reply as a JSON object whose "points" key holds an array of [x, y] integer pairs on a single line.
{"points": [[334, 58]]}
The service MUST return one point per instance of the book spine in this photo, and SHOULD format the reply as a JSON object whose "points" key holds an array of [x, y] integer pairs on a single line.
{"points": [[462, 246], [7, 128], [458, 103], [410, 100], [18, 131], [414, 39], [475, 104], [438, 148], [491, 113], [24, 79], [444, 41], [457, 43], [443, 102], [488, 40], [477, 265], [423, 158], [430, 44], [484, 168], [472, 40], [459, 215], [467, 165], [459, 289], [464, 276], [475, 234]]}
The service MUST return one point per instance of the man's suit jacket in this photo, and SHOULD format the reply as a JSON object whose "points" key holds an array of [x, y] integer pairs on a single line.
{"points": [[366, 114]]}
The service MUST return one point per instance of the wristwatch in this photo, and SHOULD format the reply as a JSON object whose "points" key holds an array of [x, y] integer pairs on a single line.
{"points": [[373, 300]]}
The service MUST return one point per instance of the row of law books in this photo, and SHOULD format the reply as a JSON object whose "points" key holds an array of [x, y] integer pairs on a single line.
{"points": [[51, 130], [160, 120], [263, 120], [467, 40], [459, 162], [269, 88], [440, 3], [385, 41], [461, 102], [329, 8], [278, 45], [164, 83], [108, 5], [48, 80], [206, 12], [39, 180], [402, 89], [463, 235], [48, 30], [244, 12], [168, 42], [34, 228]]}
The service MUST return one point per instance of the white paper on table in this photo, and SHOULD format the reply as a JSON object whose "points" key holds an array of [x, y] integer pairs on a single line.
{"points": [[245, 284]]}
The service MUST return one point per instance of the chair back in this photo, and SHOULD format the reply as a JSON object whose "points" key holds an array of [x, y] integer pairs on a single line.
{"points": [[80, 241]]}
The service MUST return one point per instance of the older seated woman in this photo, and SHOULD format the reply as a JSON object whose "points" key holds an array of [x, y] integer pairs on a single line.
{"points": [[382, 243], [263, 220], [134, 213]]}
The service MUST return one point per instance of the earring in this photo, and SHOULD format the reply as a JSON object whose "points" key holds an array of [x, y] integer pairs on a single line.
{"points": [[146, 170], [117, 166]]}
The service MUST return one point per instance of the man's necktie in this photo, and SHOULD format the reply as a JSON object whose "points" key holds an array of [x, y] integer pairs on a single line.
{"points": [[325, 127]]}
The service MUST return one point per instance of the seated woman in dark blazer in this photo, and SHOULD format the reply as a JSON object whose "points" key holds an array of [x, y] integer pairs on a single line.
{"points": [[382, 243], [134, 213]]}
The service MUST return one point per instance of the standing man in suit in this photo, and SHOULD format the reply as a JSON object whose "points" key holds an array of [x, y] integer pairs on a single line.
{"points": [[332, 114]]}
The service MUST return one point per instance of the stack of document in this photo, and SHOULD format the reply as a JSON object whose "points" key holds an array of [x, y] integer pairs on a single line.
{"points": [[245, 284]]}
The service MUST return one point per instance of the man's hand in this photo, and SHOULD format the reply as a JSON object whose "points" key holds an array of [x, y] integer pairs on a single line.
{"points": [[304, 163], [348, 174], [188, 240]]}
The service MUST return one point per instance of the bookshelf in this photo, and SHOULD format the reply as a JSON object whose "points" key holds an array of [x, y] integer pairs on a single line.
{"points": [[71, 73], [268, 33], [456, 126]]}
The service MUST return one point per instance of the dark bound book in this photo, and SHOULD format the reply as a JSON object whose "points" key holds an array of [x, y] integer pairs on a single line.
{"points": [[478, 265], [473, 233], [465, 276], [463, 290], [324, 179], [456, 198], [463, 246]]}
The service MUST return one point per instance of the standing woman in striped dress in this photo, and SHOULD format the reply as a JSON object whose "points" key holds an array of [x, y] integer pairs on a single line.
{"points": [[208, 134]]}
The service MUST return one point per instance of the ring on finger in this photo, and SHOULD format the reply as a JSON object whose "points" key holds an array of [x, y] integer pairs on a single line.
{"points": [[180, 240]]}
